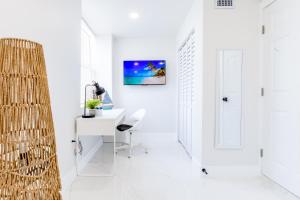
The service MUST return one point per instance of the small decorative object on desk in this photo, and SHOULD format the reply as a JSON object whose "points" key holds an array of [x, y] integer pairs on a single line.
{"points": [[92, 106], [107, 103], [99, 111]]}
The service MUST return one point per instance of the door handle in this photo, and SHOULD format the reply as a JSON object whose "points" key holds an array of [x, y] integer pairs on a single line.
{"points": [[225, 99]]}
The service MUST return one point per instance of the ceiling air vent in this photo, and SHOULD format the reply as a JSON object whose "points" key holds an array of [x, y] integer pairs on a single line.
{"points": [[224, 4]]}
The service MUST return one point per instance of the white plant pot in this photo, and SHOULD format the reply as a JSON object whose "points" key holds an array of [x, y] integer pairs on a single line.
{"points": [[92, 112]]}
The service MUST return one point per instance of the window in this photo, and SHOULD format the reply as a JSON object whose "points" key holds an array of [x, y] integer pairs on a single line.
{"points": [[88, 73]]}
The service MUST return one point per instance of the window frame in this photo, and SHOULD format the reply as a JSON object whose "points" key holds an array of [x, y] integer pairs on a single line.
{"points": [[87, 70]]}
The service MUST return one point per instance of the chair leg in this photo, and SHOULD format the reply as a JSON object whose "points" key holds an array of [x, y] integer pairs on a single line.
{"points": [[130, 145]]}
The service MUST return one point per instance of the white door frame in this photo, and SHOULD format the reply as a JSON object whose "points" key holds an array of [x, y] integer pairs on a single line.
{"points": [[264, 4]]}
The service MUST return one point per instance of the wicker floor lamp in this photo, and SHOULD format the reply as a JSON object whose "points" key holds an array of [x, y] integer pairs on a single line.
{"points": [[28, 162]]}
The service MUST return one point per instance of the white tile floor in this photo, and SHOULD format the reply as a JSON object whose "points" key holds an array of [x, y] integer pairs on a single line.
{"points": [[166, 173]]}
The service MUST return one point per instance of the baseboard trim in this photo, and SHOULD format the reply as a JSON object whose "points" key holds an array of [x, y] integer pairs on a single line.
{"points": [[235, 170], [85, 160], [69, 178], [197, 162], [159, 136]]}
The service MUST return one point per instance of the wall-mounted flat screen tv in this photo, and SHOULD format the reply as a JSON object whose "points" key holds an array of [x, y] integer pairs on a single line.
{"points": [[145, 72]]}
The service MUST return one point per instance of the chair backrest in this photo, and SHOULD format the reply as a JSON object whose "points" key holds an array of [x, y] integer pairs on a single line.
{"points": [[136, 118]]}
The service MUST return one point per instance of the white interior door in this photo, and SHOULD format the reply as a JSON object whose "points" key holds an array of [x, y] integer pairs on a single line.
{"points": [[229, 100], [281, 119]]}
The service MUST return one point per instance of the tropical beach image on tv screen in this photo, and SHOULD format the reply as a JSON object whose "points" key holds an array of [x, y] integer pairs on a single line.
{"points": [[146, 72]]}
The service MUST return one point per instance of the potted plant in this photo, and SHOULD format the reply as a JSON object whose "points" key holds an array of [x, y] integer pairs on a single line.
{"points": [[92, 105]]}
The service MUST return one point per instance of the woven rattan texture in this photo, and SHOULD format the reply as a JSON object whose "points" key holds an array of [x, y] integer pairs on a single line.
{"points": [[28, 162]]}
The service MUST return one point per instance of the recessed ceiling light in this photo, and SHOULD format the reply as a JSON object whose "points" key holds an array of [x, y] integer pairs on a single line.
{"points": [[134, 15]]}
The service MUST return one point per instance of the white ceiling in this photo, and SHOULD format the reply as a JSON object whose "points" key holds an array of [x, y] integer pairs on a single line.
{"points": [[157, 17]]}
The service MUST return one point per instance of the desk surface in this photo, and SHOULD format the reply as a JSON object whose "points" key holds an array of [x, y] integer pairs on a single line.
{"points": [[100, 125], [107, 114]]}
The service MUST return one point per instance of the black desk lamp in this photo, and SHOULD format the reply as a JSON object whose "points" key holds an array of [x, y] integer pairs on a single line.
{"points": [[99, 91]]}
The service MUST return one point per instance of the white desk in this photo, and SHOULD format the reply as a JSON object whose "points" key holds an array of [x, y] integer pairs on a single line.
{"points": [[104, 125]]}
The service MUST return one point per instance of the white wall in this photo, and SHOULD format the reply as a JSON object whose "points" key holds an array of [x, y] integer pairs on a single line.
{"points": [[232, 29], [194, 21], [56, 25], [158, 100]]}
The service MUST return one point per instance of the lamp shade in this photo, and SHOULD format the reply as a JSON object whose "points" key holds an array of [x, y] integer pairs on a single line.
{"points": [[99, 90], [28, 162]]}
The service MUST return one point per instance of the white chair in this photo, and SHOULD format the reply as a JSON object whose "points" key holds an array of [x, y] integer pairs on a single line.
{"points": [[130, 126]]}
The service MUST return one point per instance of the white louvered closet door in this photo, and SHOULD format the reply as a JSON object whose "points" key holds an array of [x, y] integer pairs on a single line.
{"points": [[186, 56]]}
